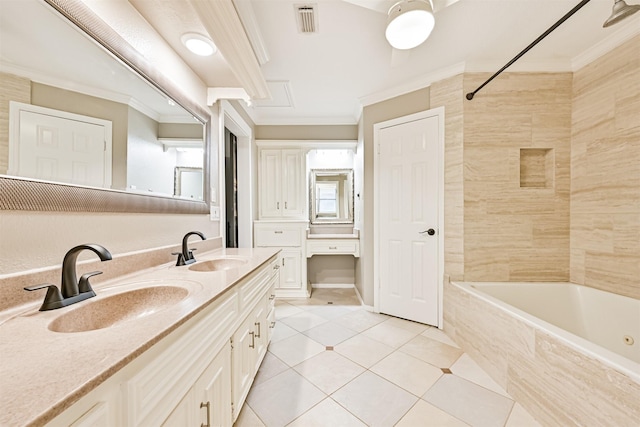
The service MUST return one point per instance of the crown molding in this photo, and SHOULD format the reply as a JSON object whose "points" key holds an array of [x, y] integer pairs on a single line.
{"points": [[627, 32], [248, 17], [223, 24], [413, 85]]}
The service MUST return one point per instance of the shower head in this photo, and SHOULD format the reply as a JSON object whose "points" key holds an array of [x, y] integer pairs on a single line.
{"points": [[620, 11]]}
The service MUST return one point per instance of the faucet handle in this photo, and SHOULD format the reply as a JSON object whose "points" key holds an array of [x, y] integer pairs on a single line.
{"points": [[53, 297], [84, 285]]}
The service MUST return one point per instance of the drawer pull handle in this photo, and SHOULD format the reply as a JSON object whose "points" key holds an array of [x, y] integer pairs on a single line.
{"points": [[278, 205], [278, 231], [272, 325], [277, 266], [333, 247], [285, 205], [258, 325], [253, 339], [208, 406], [271, 297]]}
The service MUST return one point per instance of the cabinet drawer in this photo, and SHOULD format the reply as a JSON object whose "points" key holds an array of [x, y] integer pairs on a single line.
{"points": [[277, 237], [328, 247]]}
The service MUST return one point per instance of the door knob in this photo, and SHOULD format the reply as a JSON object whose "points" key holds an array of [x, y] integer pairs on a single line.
{"points": [[430, 232]]}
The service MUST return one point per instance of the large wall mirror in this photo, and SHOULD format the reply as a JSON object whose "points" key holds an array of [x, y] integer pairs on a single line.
{"points": [[87, 124], [331, 196]]}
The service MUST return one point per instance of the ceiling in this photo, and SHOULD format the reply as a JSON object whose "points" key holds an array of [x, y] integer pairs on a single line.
{"points": [[326, 77]]}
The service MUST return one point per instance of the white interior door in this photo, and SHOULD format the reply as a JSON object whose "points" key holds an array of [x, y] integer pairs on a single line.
{"points": [[408, 219], [61, 147]]}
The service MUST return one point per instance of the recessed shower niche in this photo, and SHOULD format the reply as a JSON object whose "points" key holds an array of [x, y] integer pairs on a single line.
{"points": [[536, 168]]}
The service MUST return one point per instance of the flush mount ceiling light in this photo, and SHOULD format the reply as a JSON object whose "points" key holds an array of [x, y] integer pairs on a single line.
{"points": [[409, 24], [199, 44], [620, 11]]}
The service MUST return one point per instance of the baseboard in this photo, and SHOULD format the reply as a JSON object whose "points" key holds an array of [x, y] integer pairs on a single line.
{"points": [[332, 285]]}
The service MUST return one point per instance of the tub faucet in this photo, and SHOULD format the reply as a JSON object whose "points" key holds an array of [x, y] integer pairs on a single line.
{"points": [[186, 256], [71, 289]]}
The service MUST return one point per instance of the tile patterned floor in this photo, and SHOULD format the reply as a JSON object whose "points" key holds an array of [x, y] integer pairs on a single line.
{"points": [[331, 363]]}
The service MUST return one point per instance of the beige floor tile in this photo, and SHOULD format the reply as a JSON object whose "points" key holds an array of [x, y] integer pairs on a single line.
{"points": [[327, 413], [331, 312], [360, 320], [363, 351], [375, 400], [389, 334], [329, 371], [469, 402], [304, 321], [415, 327], [248, 418], [407, 372], [270, 367], [521, 418], [285, 310], [466, 368], [283, 398], [295, 349], [330, 333], [282, 331], [425, 414], [439, 335], [431, 351]]}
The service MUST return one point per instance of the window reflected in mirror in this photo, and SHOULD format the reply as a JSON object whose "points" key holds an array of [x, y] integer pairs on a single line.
{"points": [[331, 196]]}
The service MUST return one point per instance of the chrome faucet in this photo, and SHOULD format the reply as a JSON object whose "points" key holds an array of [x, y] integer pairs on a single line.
{"points": [[186, 256], [71, 290]]}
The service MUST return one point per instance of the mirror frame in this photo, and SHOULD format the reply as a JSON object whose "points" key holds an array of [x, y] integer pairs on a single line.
{"points": [[35, 195], [312, 198]]}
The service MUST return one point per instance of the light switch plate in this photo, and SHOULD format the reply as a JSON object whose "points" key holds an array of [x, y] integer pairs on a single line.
{"points": [[214, 213]]}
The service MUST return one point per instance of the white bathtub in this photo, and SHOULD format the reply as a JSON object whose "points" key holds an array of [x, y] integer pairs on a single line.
{"points": [[570, 352]]}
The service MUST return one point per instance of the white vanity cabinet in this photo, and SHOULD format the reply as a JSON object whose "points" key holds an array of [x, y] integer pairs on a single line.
{"points": [[289, 236], [199, 374], [282, 184]]}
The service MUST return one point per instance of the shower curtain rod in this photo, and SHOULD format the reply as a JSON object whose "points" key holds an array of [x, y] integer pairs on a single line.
{"points": [[470, 95]]}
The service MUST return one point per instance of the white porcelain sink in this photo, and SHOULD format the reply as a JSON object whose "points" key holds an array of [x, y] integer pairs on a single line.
{"points": [[218, 264], [100, 313]]}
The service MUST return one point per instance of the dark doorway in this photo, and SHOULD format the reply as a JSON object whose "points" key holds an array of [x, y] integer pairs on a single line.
{"points": [[231, 187]]}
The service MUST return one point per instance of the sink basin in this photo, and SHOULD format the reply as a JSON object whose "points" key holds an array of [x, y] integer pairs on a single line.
{"points": [[121, 307], [219, 264]]}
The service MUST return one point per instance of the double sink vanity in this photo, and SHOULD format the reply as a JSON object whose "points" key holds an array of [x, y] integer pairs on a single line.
{"points": [[174, 345]]}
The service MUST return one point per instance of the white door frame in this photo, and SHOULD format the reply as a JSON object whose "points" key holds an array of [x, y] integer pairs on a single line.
{"points": [[233, 121], [377, 127]]}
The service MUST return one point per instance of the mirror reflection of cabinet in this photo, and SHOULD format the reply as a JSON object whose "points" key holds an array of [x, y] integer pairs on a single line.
{"points": [[331, 196]]}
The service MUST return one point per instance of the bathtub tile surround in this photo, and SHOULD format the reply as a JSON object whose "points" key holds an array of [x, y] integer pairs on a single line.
{"points": [[605, 172], [550, 378], [373, 378]]}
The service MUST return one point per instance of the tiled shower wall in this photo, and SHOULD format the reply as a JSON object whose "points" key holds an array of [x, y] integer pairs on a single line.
{"points": [[605, 172], [517, 136]]}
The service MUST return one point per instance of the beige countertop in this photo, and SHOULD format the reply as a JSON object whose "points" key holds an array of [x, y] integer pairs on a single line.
{"points": [[44, 372]]}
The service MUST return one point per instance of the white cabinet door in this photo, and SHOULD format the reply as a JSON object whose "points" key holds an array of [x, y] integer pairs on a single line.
{"points": [[270, 186], [184, 413], [244, 359], [213, 388], [290, 274], [282, 183], [293, 184]]}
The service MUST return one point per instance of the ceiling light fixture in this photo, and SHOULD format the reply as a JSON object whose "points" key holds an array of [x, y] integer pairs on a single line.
{"points": [[199, 44], [620, 11], [409, 24]]}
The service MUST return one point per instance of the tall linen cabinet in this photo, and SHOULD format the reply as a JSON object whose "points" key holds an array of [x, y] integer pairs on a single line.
{"points": [[283, 212]]}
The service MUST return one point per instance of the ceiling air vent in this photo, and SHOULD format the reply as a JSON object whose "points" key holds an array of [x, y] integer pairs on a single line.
{"points": [[306, 15]]}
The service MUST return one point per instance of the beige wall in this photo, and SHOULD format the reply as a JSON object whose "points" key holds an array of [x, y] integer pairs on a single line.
{"points": [[513, 232], [399, 106], [449, 94], [312, 132], [605, 172], [12, 88]]}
